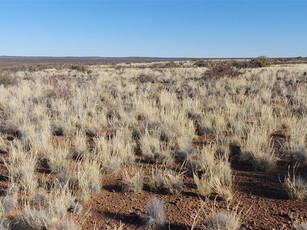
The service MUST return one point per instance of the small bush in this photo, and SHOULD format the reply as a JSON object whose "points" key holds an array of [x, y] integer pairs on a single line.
{"points": [[155, 215], [221, 70], [261, 61], [241, 64], [7, 80], [201, 63], [258, 62], [81, 68], [145, 78]]}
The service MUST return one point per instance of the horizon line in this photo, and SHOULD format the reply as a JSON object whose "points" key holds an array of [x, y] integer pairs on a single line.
{"points": [[139, 57]]}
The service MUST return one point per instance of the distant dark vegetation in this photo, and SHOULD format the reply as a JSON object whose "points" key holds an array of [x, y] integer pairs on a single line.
{"points": [[258, 62], [216, 66], [231, 68]]}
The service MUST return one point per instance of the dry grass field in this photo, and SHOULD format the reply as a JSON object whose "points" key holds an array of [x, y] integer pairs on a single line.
{"points": [[153, 146]]}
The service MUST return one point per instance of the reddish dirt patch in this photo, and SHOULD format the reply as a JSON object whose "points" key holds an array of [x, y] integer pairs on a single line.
{"points": [[265, 203]]}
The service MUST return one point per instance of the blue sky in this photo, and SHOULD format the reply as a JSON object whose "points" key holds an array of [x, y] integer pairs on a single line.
{"points": [[153, 28]]}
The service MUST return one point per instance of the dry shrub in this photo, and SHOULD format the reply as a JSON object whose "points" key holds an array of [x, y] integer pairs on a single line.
{"points": [[145, 78], [257, 62], [261, 61], [222, 69], [81, 68], [201, 63], [7, 80]]}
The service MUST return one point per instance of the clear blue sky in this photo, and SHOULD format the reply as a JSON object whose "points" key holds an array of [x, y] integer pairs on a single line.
{"points": [[153, 28]]}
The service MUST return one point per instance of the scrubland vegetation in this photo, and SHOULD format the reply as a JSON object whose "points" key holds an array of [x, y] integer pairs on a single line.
{"points": [[165, 131]]}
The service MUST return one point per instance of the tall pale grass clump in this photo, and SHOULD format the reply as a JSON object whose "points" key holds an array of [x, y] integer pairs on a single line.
{"points": [[52, 216], [223, 220], [296, 147], [258, 151], [153, 150], [216, 219], [21, 166], [83, 180], [212, 174], [295, 185]]}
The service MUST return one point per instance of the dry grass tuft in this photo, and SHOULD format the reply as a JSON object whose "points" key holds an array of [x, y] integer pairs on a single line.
{"points": [[155, 215], [166, 180], [295, 186], [133, 180]]}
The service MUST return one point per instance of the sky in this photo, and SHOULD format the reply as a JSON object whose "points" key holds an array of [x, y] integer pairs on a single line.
{"points": [[154, 28]]}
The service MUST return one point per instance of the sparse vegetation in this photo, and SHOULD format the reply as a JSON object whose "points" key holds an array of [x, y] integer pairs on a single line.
{"points": [[73, 137]]}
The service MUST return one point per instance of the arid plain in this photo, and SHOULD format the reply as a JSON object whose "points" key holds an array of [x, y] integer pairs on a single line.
{"points": [[185, 144]]}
